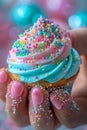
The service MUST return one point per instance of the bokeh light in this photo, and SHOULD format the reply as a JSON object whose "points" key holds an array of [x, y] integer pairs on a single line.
{"points": [[24, 14], [78, 20], [53, 5], [68, 8], [25, 1]]}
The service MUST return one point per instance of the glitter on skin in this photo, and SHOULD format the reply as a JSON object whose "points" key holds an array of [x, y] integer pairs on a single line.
{"points": [[42, 110]]}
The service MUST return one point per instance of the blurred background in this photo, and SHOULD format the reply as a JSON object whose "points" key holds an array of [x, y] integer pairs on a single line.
{"points": [[18, 15]]}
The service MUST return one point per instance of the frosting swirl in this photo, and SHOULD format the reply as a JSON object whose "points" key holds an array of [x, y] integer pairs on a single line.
{"points": [[43, 53]]}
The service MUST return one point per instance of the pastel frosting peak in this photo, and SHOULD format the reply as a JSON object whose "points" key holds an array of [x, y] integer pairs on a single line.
{"points": [[43, 52], [42, 43]]}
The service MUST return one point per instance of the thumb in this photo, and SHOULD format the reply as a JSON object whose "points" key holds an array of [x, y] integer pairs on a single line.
{"points": [[79, 40]]}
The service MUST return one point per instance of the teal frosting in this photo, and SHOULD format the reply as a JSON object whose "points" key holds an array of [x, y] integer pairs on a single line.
{"points": [[51, 72]]}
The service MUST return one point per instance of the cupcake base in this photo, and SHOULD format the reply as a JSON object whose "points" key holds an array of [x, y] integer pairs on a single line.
{"points": [[44, 84]]}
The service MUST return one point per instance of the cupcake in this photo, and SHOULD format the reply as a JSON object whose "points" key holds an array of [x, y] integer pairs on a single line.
{"points": [[43, 55]]}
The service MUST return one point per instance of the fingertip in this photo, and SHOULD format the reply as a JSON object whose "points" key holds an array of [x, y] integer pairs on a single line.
{"points": [[16, 103], [3, 76], [17, 89], [4, 80], [64, 106], [37, 96], [39, 109], [56, 103]]}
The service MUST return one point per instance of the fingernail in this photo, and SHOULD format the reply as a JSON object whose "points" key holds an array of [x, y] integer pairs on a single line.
{"points": [[40, 107], [59, 98], [17, 89], [56, 102], [3, 76], [37, 96]]}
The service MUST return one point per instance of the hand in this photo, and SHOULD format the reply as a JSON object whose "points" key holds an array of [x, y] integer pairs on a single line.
{"points": [[63, 111], [58, 114], [79, 40], [10, 92], [24, 106]]}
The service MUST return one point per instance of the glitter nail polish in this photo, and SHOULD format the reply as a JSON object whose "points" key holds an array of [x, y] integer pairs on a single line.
{"points": [[17, 89]]}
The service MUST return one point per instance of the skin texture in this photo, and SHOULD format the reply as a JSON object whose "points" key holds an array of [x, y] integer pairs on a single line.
{"points": [[79, 40], [61, 112]]}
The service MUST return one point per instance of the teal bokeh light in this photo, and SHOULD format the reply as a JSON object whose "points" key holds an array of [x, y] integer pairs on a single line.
{"points": [[24, 14], [78, 20]]}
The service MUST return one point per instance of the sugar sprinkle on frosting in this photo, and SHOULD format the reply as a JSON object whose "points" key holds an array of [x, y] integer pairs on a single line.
{"points": [[43, 52]]}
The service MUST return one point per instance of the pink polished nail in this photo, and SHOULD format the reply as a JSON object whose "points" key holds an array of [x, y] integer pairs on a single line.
{"points": [[37, 96], [56, 102], [17, 89], [3, 76]]}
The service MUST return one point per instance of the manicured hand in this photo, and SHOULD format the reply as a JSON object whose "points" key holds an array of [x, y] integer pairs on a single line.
{"points": [[25, 106], [72, 112], [14, 94]]}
